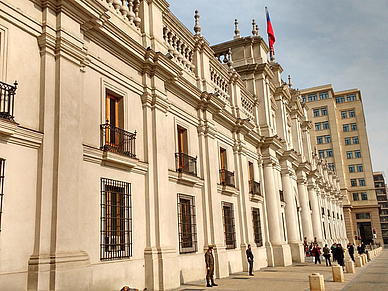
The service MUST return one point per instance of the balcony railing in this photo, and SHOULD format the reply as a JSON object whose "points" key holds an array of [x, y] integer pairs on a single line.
{"points": [[254, 188], [186, 164], [7, 95], [281, 196], [227, 178], [117, 140]]}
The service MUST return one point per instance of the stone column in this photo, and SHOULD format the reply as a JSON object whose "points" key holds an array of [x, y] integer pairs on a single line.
{"points": [[305, 213], [316, 215]]}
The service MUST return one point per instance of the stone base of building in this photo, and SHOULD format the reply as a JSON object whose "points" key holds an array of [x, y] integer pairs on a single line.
{"points": [[280, 256], [297, 252]]}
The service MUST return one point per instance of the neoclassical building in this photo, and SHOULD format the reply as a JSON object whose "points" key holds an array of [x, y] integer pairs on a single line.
{"points": [[129, 144]]}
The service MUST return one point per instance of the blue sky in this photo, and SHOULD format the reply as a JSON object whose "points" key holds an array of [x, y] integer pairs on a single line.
{"points": [[343, 43]]}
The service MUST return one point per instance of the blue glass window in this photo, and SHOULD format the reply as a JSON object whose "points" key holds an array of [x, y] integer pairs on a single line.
{"points": [[327, 138], [340, 99], [351, 169], [319, 139], [321, 153], [324, 95], [355, 140], [318, 126], [361, 182], [357, 154], [352, 113], [349, 155], [325, 125], [351, 98], [353, 182], [345, 127], [329, 153], [312, 97], [360, 168], [344, 114], [347, 141], [316, 112], [324, 111]]}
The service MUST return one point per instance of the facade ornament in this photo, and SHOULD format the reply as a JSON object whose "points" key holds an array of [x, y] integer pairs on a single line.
{"points": [[230, 62], [289, 81], [197, 27], [236, 30], [254, 31]]}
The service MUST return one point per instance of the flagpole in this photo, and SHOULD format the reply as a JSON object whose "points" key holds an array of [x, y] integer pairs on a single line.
{"points": [[271, 56]]}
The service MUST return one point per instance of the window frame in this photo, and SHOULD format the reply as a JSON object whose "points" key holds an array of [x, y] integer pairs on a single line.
{"points": [[356, 194], [352, 113], [364, 196], [2, 179], [344, 114], [324, 111], [257, 232], [229, 225], [187, 243]]}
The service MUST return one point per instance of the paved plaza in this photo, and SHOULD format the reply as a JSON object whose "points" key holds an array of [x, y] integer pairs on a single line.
{"points": [[372, 276]]}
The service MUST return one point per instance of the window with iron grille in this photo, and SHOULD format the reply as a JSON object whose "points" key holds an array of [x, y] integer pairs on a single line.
{"points": [[230, 235], [2, 175], [116, 219], [186, 224], [257, 226]]}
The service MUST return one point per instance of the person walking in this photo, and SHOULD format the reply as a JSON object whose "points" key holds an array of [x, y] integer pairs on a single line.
{"points": [[209, 260], [333, 252], [351, 251], [339, 254], [317, 254], [306, 246], [250, 259], [326, 254]]}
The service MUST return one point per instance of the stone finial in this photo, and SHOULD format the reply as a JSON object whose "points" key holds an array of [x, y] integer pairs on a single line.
{"points": [[236, 30], [271, 55], [254, 32], [230, 62], [197, 27], [257, 30], [289, 81]]}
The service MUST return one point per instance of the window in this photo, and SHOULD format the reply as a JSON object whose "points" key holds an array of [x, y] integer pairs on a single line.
{"points": [[2, 175], [363, 215], [353, 182], [321, 153], [327, 139], [353, 126], [357, 154], [230, 236], [312, 97], [364, 196], [114, 111], [351, 169], [316, 112], [347, 141], [116, 220], [187, 224], [304, 98], [324, 95], [331, 166], [324, 111], [355, 140], [257, 227], [345, 127], [329, 153], [361, 182], [325, 125], [356, 197], [340, 99], [323, 211], [349, 155], [319, 139], [318, 126], [351, 98], [251, 173], [352, 113], [360, 168], [344, 114], [223, 158]]}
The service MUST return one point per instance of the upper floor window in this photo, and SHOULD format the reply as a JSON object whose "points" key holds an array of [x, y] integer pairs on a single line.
{"points": [[352, 113], [347, 141], [321, 153], [230, 234], [357, 154], [351, 97], [324, 95], [318, 126], [182, 139], [2, 175], [344, 114], [184, 162], [353, 126], [331, 166], [116, 219], [364, 196], [361, 182], [316, 112], [349, 155], [187, 224], [312, 97], [356, 197], [355, 140], [360, 168], [324, 111], [327, 138], [319, 139], [340, 99], [329, 153], [345, 127], [353, 182], [325, 125], [351, 169], [304, 98], [223, 158], [363, 215]]}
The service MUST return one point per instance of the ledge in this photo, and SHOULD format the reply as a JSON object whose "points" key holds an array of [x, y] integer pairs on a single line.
{"points": [[13, 133], [8, 127], [184, 179], [256, 198], [227, 190]]}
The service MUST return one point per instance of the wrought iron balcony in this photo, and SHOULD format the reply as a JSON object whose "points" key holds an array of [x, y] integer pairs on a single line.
{"points": [[186, 164], [227, 178], [254, 188], [281, 196], [117, 140], [7, 95]]}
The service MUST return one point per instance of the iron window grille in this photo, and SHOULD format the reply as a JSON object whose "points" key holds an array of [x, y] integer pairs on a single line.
{"points": [[116, 220], [7, 96], [257, 226], [186, 164], [117, 140], [187, 227], [229, 230], [227, 178], [254, 187], [2, 175], [281, 196]]}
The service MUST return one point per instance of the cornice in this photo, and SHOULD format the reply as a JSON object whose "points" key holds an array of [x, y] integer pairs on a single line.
{"points": [[262, 68]]}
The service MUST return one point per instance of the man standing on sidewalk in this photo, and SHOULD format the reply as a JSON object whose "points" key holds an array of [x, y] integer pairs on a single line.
{"points": [[250, 259], [209, 260], [326, 254]]}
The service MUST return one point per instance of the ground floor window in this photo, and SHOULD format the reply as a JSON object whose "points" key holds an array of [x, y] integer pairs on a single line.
{"points": [[116, 219], [187, 224], [2, 175], [230, 234], [257, 226]]}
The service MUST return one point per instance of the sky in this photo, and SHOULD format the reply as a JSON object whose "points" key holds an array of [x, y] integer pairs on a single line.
{"points": [[343, 43]]}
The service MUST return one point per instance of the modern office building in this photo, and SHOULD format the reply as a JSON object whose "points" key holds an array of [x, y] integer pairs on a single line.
{"points": [[129, 144], [381, 193], [340, 137]]}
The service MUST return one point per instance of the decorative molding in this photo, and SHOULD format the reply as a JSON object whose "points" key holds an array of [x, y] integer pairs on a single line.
{"points": [[185, 179], [227, 190]]}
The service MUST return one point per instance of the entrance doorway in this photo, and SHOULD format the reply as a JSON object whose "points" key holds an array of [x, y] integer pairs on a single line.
{"points": [[365, 231]]}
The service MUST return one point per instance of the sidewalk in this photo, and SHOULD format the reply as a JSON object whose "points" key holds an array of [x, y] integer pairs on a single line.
{"points": [[296, 277]]}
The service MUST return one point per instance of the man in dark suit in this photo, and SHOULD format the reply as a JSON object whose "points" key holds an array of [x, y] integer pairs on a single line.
{"points": [[250, 259]]}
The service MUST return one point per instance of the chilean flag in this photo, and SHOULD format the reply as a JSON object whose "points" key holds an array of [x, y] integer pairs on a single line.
{"points": [[271, 35]]}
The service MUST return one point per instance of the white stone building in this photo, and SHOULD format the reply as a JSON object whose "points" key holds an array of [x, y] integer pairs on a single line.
{"points": [[131, 145]]}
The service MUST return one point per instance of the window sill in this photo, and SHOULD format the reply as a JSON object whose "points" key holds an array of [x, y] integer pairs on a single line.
{"points": [[227, 190], [184, 179]]}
